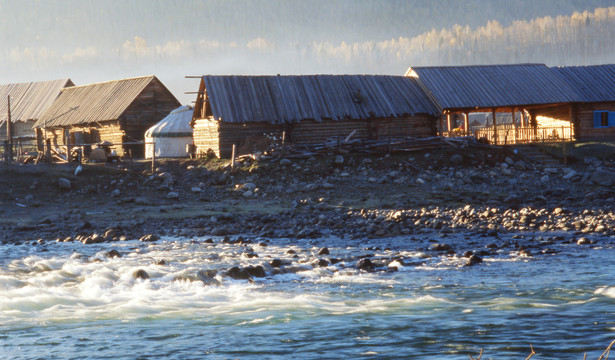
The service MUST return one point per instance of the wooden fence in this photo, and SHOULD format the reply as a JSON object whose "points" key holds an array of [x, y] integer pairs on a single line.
{"points": [[508, 134]]}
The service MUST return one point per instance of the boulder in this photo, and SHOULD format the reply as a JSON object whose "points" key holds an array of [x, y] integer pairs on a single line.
{"points": [[285, 162], [140, 274], [456, 159], [365, 264], [603, 178], [323, 251], [339, 160], [172, 195], [64, 183]]}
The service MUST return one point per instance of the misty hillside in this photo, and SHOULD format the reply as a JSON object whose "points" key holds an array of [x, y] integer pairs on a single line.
{"points": [[80, 22]]}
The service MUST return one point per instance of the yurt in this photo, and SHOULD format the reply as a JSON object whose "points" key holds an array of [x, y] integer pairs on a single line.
{"points": [[170, 135]]}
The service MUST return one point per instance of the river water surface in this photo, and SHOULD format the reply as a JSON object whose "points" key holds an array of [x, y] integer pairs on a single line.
{"points": [[71, 301]]}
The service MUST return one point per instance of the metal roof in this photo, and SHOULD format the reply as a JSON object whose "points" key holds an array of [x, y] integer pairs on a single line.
{"points": [[593, 83], [289, 98], [492, 86], [29, 100], [93, 103]]}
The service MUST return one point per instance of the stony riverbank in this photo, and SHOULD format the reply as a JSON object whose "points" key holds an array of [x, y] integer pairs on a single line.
{"points": [[482, 191]]}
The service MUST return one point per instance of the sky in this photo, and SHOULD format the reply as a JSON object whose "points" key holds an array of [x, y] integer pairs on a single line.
{"points": [[100, 40]]}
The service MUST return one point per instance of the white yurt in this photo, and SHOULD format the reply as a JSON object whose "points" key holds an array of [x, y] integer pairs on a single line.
{"points": [[170, 135]]}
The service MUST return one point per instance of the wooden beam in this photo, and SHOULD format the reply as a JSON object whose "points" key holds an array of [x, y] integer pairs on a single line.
{"points": [[495, 127], [448, 122], [9, 130], [466, 122]]}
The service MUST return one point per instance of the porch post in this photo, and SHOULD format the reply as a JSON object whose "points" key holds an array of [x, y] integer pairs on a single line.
{"points": [[514, 122], [495, 127], [448, 123], [466, 123], [441, 125]]}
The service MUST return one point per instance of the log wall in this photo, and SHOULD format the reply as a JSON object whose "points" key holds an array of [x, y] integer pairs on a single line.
{"points": [[585, 117], [220, 136]]}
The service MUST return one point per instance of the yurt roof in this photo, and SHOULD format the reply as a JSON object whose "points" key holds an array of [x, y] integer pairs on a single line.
{"points": [[176, 124]]}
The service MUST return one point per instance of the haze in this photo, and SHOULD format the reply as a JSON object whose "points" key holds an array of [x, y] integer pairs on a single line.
{"points": [[91, 40]]}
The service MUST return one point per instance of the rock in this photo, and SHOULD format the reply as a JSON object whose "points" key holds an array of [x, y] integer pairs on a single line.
{"points": [[456, 159], [440, 247], [323, 251], [506, 171], [509, 161], [603, 178], [64, 183], [545, 179], [519, 165], [115, 193], [550, 170], [420, 181], [365, 264], [249, 187], [172, 195], [248, 194], [149, 237], [255, 271], [285, 162], [238, 273], [339, 160], [196, 189], [569, 175], [583, 241], [276, 263], [327, 185], [113, 254], [140, 274], [473, 260]]}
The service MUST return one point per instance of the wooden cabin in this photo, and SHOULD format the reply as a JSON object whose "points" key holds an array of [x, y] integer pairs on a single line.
{"points": [[28, 102], [117, 111], [529, 92], [307, 110], [593, 111]]}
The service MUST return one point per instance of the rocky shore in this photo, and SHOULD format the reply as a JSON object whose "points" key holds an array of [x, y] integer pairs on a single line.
{"points": [[482, 192]]}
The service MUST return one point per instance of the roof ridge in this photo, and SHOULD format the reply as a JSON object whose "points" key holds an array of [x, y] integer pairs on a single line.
{"points": [[109, 82]]}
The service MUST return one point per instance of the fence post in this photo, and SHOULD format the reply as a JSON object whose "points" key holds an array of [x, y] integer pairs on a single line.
{"points": [[233, 158], [153, 157]]}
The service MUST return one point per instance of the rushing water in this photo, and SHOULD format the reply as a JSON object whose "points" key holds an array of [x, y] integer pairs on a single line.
{"points": [[71, 301]]}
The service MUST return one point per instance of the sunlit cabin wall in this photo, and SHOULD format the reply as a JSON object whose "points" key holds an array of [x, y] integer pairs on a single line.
{"points": [[557, 112], [220, 136], [88, 134]]}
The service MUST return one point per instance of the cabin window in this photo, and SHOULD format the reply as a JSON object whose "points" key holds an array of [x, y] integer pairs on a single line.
{"points": [[604, 119]]}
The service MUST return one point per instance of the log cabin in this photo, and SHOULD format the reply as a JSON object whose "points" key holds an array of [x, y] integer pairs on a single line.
{"points": [[307, 110], [528, 92], [118, 112], [593, 111]]}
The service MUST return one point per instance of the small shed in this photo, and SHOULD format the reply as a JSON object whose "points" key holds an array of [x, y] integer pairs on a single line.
{"points": [[170, 136], [593, 111], [118, 112], [307, 110], [28, 102]]}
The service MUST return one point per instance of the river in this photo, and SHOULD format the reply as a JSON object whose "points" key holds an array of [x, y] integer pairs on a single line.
{"points": [[73, 301]]}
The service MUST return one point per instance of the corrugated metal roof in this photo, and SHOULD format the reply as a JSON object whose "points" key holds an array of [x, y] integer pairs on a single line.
{"points": [[289, 99], [489, 86], [93, 103], [29, 100], [593, 83]]}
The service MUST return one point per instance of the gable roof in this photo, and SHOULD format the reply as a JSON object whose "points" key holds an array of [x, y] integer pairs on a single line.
{"points": [[29, 100], [94, 103], [293, 98], [493, 86], [593, 83]]}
